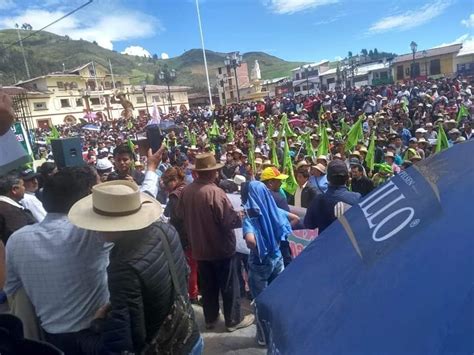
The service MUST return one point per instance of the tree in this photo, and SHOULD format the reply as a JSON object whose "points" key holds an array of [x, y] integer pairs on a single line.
{"points": [[155, 56], [376, 52], [156, 78], [371, 53], [364, 52], [26, 26], [147, 79], [66, 37], [95, 42], [349, 54]]}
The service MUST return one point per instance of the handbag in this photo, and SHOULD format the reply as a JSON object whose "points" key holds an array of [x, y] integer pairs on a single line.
{"points": [[178, 325]]}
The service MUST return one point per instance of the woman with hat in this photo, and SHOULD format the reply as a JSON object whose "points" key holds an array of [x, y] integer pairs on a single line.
{"points": [[149, 309]]}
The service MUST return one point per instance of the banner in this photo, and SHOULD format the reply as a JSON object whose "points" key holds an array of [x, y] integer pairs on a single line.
{"points": [[22, 137], [393, 275], [300, 239]]}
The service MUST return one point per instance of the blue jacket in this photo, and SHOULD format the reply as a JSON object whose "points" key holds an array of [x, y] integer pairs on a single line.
{"points": [[320, 213]]}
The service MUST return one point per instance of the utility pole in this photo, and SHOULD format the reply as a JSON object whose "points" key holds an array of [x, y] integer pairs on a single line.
{"points": [[23, 51]]}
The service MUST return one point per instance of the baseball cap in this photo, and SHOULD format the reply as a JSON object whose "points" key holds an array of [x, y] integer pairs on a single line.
{"points": [[271, 173], [337, 168], [28, 174]]}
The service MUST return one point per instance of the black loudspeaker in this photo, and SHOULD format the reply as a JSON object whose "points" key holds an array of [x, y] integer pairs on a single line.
{"points": [[67, 152]]}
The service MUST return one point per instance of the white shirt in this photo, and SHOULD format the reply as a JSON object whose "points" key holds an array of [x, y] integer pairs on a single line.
{"points": [[298, 192], [31, 203]]}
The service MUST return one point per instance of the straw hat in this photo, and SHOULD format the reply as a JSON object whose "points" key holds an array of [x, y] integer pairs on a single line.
{"points": [[319, 167], [115, 206], [206, 162]]}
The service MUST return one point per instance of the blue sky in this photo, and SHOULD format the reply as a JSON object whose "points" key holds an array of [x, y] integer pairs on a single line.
{"points": [[306, 30]]}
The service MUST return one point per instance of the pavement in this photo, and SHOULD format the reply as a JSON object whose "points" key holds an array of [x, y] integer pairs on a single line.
{"points": [[218, 341]]}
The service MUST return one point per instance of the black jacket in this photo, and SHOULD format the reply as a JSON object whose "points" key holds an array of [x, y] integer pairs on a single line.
{"points": [[363, 185], [307, 196], [320, 213], [13, 218], [141, 289]]}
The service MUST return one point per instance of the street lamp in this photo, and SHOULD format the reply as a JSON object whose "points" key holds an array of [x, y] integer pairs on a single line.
{"points": [[413, 47], [425, 53], [168, 76], [306, 71], [143, 85], [222, 83], [233, 61]]}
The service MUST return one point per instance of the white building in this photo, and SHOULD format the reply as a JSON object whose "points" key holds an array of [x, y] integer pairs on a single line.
{"points": [[68, 96], [306, 77]]}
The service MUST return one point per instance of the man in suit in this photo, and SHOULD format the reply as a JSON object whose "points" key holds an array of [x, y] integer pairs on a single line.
{"points": [[305, 192]]}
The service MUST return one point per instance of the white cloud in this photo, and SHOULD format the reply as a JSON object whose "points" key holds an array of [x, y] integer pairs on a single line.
{"points": [[291, 6], [136, 50], [165, 56], [410, 19], [469, 23], [118, 25], [467, 41], [461, 39], [6, 4]]}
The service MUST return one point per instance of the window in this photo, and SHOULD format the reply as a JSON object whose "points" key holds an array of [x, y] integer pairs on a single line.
{"points": [[118, 84], [435, 67], [331, 81], [74, 85], [400, 75], [231, 95], [65, 103], [79, 102], [155, 98], [297, 89], [140, 100], [219, 70], [107, 85], [383, 75], [297, 76], [38, 106], [95, 101], [60, 85], [35, 86], [229, 82]]}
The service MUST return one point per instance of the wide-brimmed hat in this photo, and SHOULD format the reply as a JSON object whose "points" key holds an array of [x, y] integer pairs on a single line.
{"points": [[115, 206], [206, 162], [319, 167]]}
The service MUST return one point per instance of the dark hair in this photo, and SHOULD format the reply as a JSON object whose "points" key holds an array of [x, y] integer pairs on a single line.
{"points": [[173, 173], [7, 182], [359, 167], [66, 187], [338, 180], [124, 149], [303, 172]]}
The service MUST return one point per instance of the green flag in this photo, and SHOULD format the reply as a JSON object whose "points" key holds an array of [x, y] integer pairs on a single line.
{"points": [[251, 154], [274, 155], [129, 124], [230, 134], [323, 148], [285, 127], [344, 127], [193, 140], [305, 138], [370, 157], [404, 106], [355, 135], [258, 121], [214, 132], [270, 131], [442, 141], [463, 112], [290, 184]]}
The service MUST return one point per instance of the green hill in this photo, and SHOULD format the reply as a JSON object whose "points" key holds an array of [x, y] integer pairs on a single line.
{"points": [[47, 52]]}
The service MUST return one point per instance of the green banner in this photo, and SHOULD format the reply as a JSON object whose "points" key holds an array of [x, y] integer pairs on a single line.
{"points": [[21, 137]]}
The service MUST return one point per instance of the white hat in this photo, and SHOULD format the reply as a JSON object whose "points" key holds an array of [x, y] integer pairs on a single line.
{"points": [[239, 180], [115, 206], [104, 164], [421, 130]]}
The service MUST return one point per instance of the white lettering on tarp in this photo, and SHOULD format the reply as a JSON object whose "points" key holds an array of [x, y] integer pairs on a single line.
{"points": [[385, 192], [396, 230]]}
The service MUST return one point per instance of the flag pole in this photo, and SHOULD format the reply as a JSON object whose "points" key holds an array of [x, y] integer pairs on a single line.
{"points": [[204, 52]]}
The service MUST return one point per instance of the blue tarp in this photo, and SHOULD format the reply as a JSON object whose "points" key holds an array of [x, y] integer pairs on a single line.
{"points": [[394, 276]]}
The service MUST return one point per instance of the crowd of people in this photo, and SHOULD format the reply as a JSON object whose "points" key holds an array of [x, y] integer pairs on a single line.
{"points": [[95, 264]]}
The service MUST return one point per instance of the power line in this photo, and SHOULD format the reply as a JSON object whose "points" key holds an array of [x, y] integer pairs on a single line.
{"points": [[52, 23]]}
